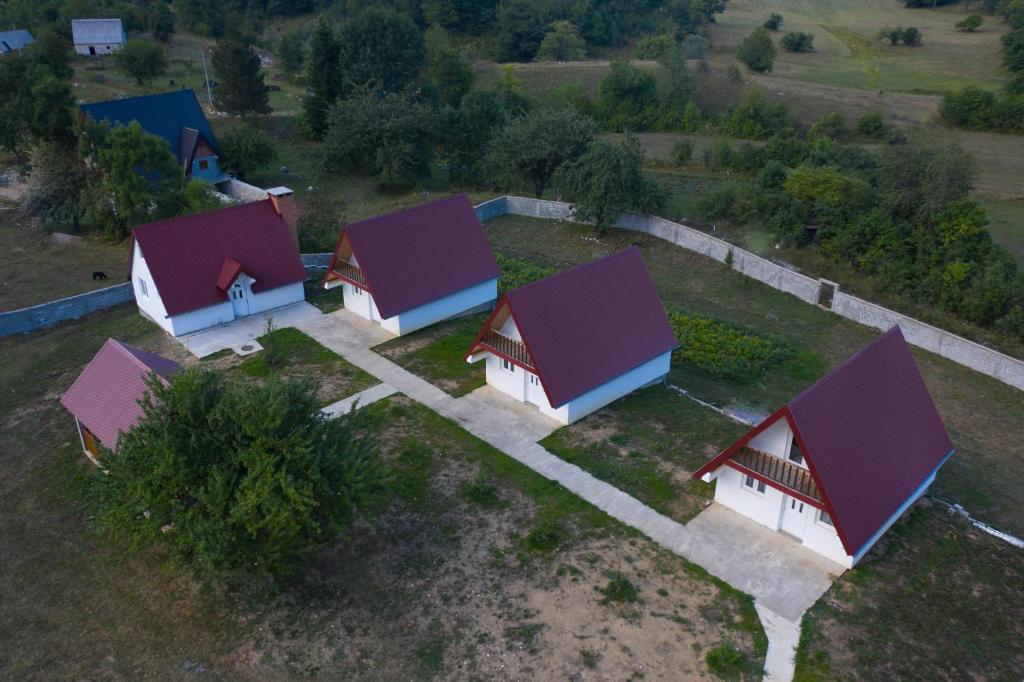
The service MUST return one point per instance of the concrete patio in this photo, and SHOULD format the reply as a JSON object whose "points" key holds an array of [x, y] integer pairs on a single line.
{"points": [[245, 330]]}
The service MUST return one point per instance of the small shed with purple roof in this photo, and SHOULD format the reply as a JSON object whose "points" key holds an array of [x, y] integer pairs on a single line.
{"points": [[105, 397], [416, 267], [573, 342], [840, 463]]}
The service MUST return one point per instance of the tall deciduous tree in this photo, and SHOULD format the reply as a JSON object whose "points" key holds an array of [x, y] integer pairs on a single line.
{"points": [[247, 148], [235, 478], [141, 180], [609, 180], [480, 115], [532, 148], [161, 21], [56, 185], [452, 76], [323, 78], [520, 31], [240, 87], [562, 43], [382, 50], [757, 50], [142, 60]]}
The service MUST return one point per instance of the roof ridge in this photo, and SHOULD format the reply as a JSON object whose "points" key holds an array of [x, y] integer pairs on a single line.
{"points": [[407, 209], [124, 349], [191, 216], [577, 268], [152, 94], [894, 330]]}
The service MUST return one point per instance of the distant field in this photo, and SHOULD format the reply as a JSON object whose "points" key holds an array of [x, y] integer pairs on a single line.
{"points": [[848, 55]]}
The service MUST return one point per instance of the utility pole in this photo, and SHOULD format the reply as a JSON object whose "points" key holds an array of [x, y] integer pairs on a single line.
{"points": [[206, 75]]}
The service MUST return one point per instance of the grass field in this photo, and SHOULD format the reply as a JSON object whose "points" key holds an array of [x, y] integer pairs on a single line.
{"points": [[477, 568], [848, 55], [437, 354]]}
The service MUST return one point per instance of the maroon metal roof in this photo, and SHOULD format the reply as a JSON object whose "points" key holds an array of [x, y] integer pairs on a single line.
{"points": [[105, 396], [589, 324], [421, 254], [185, 255], [229, 271], [870, 434]]}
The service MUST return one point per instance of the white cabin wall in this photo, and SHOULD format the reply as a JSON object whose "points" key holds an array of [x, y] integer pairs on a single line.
{"points": [[765, 508], [150, 304], [511, 383], [277, 297], [775, 439]]}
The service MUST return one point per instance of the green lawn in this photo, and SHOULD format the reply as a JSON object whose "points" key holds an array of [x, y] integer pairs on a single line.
{"points": [[936, 599], [980, 413], [847, 54], [437, 353]]}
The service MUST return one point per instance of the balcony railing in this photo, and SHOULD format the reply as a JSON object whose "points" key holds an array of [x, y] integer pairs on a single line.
{"points": [[349, 272], [785, 473], [510, 348]]}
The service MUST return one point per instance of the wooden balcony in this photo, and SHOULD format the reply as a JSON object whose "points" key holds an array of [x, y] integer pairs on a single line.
{"points": [[510, 348], [345, 270], [785, 473]]}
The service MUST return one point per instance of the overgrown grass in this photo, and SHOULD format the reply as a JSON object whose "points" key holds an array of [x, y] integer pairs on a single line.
{"points": [[723, 350], [936, 599], [327, 300]]}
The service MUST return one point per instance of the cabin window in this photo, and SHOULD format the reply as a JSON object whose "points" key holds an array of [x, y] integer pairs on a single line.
{"points": [[508, 366], [753, 484], [142, 287], [794, 453], [204, 165], [823, 517], [356, 291]]}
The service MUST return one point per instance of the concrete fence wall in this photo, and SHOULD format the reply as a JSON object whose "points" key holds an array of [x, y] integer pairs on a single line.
{"points": [[44, 314], [958, 349]]}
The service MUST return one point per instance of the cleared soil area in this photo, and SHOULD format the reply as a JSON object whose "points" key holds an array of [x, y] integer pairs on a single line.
{"points": [[475, 568]]}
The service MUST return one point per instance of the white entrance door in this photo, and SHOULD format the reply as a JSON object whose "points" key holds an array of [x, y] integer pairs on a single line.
{"points": [[239, 299], [534, 392], [794, 514]]}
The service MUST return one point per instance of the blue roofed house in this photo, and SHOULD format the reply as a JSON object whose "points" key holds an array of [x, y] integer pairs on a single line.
{"points": [[11, 41], [176, 117], [97, 36]]}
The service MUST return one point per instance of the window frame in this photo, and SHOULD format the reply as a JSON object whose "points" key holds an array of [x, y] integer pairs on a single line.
{"points": [[755, 487], [507, 365], [143, 288], [821, 516]]}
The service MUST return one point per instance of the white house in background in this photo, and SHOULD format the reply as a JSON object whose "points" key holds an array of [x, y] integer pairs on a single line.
{"points": [[839, 464], [205, 269], [574, 342], [410, 269], [97, 36]]}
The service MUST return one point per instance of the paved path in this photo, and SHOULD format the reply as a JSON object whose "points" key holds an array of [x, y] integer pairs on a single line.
{"points": [[363, 398], [245, 330], [784, 578]]}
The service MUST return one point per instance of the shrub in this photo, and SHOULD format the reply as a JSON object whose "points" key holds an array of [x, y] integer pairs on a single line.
{"points": [[911, 36], [517, 272], [682, 151], [142, 60], [728, 662], [970, 23], [247, 148], [755, 117], [798, 41], [891, 33], [772, 176], [695, 46], [831, 125], [723, 350], [871, 125], [545, 536], [757, 51], [654, 47], [619, 589], [562, 43], [773, 22]]}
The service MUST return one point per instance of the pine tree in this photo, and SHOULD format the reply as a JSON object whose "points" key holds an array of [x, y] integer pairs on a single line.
{"points": [[323, 78], [240, 86]]}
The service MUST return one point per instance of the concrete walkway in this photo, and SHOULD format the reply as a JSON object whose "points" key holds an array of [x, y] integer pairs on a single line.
{"points": [[363, 398], [240, 335], [783, 577]]}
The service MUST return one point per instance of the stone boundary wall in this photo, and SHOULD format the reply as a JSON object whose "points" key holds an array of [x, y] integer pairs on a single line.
{"points": [[998, 365], [242, 191]]}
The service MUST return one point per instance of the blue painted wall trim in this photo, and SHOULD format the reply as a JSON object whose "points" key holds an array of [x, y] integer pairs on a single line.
{"points": [[903, 507]]}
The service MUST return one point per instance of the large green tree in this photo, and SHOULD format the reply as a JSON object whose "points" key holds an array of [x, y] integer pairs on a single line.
{"points": [[519, 32], [608, 180], [480, 115], [323, 78], [56, 186], [240, 87], [452, 76], [562, 43], [391, 137], [533, 147], [920, 178], [247, 148], [757, 50], [381, 50], [141, 180], [234, 478], [142, 60]]}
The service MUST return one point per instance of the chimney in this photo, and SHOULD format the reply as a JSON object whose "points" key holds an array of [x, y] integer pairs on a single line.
{"points": [[283, 200]]}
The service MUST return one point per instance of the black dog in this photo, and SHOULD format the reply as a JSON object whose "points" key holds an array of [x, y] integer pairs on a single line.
{"points": [[99, 275]]}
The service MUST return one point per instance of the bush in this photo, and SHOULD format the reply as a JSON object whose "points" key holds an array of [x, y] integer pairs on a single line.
{"points": [[772, 176], [723, 350], [619, 589], [798, 41], [728, 662], [720, 202], [142, 60], [682, 152], [757, 51], [871, 125], [516, 272], [695, 47], [911, 36], [545, 536], [654, 47], [755, 117], [831, 125], [970, 23], [773, 22], [891, 33], [247, 148]]}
